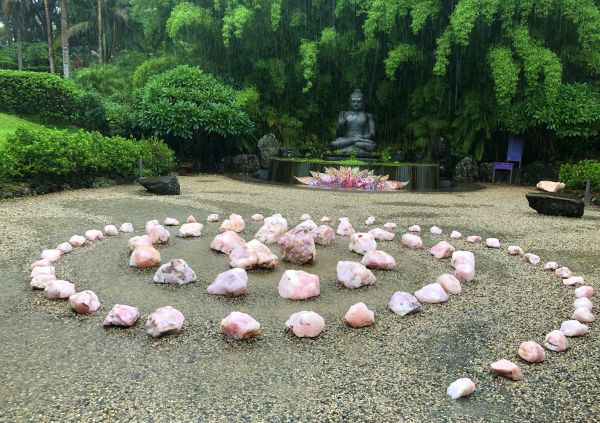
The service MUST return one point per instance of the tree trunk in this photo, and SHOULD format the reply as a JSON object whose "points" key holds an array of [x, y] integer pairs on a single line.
{"points": [[65, 38], [49, 33], [19, 47], [100, 26], [113, 39]]}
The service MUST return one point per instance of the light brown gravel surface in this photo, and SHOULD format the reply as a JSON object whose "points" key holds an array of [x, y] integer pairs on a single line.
{"points": [[57, 366]]}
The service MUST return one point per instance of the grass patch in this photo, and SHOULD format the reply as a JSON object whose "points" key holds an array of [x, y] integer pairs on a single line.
{"points": [[10, 123]]}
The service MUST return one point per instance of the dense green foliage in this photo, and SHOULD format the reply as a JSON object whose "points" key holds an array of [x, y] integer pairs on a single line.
{"points": [[575, 176]]}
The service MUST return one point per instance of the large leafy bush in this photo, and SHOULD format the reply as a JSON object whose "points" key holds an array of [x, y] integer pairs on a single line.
{"points": [[575, 176]]}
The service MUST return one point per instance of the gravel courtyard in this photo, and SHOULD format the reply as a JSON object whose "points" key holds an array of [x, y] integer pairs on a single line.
{"points": [[58, 366]]}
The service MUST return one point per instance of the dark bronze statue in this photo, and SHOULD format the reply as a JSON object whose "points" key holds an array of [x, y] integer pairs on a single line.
{"points": [[356, 127]]}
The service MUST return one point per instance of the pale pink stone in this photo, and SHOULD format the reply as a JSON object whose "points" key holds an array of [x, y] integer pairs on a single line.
{"points": [[165, 321], [362, 242], [464, 272], [191, 219], [411, 241], [40, 263], [450, 284], [306, 324], [40, 282], [299, 285], [563, 272], [455, 235], [273, 228], [235, 223], [138, 241], [231, 283], [507, 369], [474, 239], [378, 259], [345, 227], [382, 235], [532, 258], [326, 219], [433, 293], [574, 280], [584, 291], [515, 250], [253, 255], [442, 250], [435, 230], [94, 235], [551, 265], [111, 230], [297, 246], [170, 221], [573, 328], [151, 223], [403, 303], [240, 326], [307, 224], [492, 243], [257, 217], [390, 226], [531, 351], [370, 220], [176, 271], [42, 270], [583, 315], [64, 248], [359, 316], [77, 240], [462, 257], [415, 229], [226, 242], [324, 235], [144, 256], [460, 388], [58, 289], [126, 227], [550, 186], [158, 234], [583, 302], [354, 275], [52, 255], [188, 230], [84, 302], [122, 315], [556, 341], [305, 216], [212, 218]]}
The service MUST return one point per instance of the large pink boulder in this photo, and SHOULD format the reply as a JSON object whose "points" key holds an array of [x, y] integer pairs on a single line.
{"points": [[464, 272], [40, 282], [307, 224], [176, 271], [94, 235], [40, 263], [507, 369], [52, 254], [492, 243], [584, 291], [344, 227], [213, 218], [272, 228], [574, 280], [583, 302], [531, 351], [583, 315], [415, 229], [59, 289], [473, 239], [359, 316], [382, 235], [556, 341], [550, 186], [450, 283], [226, 242], [306, 324], [138, 241], [231, 283], [563, 272], [189, 230], [64, 248], [122, 315], [532, 258], [239, 326], [324, 235], [42, 270], [412, 241], [299, 285], [253, 255], [460, 388], [84, 302], [126, 227], [573, 328], [354, 275], [297, 246], [551, 265], [432, 294], [442, 250], [403, 303], [144, 256], [77, 240], [158, 234], [111, 230], [435, 230], [455, 235], [462, 257], [165, 321], [515, 250], [378, 259], [362, 242], [235, 223]]}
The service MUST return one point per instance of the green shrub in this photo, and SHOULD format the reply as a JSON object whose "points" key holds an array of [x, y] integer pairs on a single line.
{"points": [[157, 157], [119, 118], [575, 176], [91, 112], [151, 67]]}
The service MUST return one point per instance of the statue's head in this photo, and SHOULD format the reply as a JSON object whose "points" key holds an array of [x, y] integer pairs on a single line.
{"points": [[357, 100]]}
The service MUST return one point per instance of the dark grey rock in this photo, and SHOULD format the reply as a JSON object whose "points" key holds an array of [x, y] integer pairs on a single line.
{"points": [[245, 163], [466, 171], [555, 204], [162, 185], [269, 147]]}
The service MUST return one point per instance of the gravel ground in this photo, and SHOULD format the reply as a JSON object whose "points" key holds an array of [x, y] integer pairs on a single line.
{"points": [[58, 366]]}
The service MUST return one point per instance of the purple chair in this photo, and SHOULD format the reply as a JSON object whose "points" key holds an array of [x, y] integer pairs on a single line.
{"points": [[514, 154]]}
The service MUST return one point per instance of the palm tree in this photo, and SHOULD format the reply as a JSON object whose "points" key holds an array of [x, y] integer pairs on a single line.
{"points": [[49, 33], [100, 33], [15, 10], [65, 38]]}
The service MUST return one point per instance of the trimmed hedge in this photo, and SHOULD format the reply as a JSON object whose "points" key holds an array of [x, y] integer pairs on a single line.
{"points": [[575, 176]]}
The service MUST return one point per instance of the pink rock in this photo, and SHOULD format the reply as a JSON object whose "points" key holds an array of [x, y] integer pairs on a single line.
{"points": [[415, 229], [442, 250], [450, 284], [84, 302], [235, 223], [240, 326], [551, 265], [305, 216], [531, 351], [556, 341], [584, 291], [297, 246], [77, 240], [257, 217], [94, 235], [111, 230], [40, 282], [462, 257], [354, 275], [345, 227], [226, 242], [460, 388], [170, 221], [324, 235], [176, 271], [435, 230], [382, 235], [212, 218], [380, 260], [390, 226], [326, 219], [138, 241], [64, 248], [231, 283], [492, 243], [573, 328], [122, 315], [144, 256], [42, 270], [58, 289], [583, 302], [151, 223], [188, 230], [532, 258], [126, 227], [507, 369], [52, 255], [253, 255], [455, 235], [370, 220], [165, 321], [433, 293], [40, 263], [464, 272], [158, 234], [550, 186], [273, 228], [563, 272], [403, 303], [474, 239], [191, 219], [574, 280], [362, 242], [515, 250], [299, 285], [411, 241], [307, 224], [583, 315], [306, 324], [359, 316]]}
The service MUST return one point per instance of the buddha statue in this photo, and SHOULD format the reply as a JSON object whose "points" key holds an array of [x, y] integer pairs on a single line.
{"points": [[356, 127]]}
